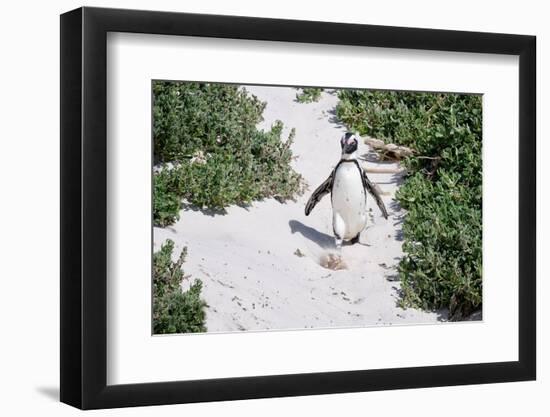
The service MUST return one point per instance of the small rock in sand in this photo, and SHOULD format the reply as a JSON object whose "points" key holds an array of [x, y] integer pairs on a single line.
{"points": [[333, 261], [299, 253]]}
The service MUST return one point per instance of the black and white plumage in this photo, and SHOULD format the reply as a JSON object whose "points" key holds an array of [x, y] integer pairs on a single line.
{"points": [[348, 184]]}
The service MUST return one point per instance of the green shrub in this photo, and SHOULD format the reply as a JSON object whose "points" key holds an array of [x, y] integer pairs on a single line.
{"points": [[442, 193], [175, 311], [309, 95], [208, 134], [166, 202]]}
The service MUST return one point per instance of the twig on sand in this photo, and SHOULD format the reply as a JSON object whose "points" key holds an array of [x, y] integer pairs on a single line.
{"points": [[376, 170]]}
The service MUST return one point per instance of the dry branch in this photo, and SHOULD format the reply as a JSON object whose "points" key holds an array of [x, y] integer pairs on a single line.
{"points": [[376, 170], [389, 150]]}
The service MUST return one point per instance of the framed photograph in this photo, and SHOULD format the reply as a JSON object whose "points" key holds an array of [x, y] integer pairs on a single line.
{"points": [[258, 208]]}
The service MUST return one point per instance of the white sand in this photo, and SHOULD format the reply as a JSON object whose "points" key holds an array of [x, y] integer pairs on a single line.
{"points": [[246, 258]]}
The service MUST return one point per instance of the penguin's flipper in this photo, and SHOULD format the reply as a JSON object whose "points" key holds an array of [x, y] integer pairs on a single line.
{"points": [[319, 193], [373, 190]]}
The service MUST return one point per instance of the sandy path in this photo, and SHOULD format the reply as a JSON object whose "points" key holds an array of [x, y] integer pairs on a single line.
{"points": [[246, 258]]}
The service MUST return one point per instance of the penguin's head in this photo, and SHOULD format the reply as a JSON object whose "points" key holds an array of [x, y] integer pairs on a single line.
{"points": [[349, 143]]}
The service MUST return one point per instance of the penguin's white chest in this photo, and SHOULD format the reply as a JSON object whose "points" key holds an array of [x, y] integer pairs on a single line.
{"points": [[348, 201]]}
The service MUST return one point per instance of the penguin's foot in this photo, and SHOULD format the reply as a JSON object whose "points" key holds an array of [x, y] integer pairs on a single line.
{"points": [[357, 239]]}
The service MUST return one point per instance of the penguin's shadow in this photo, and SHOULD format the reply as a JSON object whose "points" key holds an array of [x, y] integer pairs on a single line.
{"points": [[323, 240]]}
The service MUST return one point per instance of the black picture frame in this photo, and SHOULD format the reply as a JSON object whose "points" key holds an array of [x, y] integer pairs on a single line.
{"points": [[84, 207]]}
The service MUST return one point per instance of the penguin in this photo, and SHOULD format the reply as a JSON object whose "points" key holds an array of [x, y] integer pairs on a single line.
{"points": [[348, 185]]}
